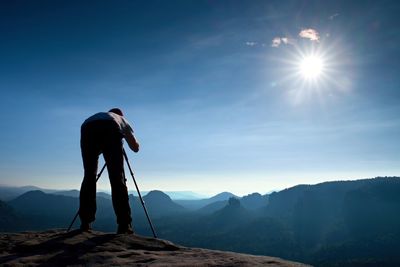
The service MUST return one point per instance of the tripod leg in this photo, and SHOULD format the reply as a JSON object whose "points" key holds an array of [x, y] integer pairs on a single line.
{"points": [[140, 195], [76, 216], [77, 213]]}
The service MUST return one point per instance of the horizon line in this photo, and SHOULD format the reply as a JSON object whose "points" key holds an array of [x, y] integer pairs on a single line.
{"points": [[201, 194]]}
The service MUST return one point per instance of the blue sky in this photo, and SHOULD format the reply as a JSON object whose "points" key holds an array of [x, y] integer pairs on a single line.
{"points": [[212, 89]]}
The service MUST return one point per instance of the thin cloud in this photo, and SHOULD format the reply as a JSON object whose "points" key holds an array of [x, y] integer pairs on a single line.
{"points": [[333, 16], [288, 41], [276, 42], [311, 34], [251, 43]]}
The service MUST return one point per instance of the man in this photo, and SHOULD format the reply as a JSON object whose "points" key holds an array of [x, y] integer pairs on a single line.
{"points": [[103, 133]]}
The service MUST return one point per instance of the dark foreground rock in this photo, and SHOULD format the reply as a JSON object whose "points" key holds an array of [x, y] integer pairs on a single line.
{"points": [[57, 248]]}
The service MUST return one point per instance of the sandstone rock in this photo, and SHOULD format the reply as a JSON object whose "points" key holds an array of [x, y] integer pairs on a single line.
{"points": [[57, 248]]}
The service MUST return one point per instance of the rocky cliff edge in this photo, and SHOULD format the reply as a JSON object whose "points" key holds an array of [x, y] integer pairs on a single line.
{"points": [[58, 248]]}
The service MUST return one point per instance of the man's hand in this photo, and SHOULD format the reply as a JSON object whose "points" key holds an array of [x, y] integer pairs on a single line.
{"points": [[136, 148]]}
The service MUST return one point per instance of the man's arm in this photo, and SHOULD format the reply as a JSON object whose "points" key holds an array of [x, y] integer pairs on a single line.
{"points": [[132, 142]]}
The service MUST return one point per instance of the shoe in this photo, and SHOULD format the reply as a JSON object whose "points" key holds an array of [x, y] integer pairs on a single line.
{"points": [[86, 227], [125, 229]]}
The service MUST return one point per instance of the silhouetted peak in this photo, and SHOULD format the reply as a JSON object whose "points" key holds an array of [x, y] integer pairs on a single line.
{"points": [[158, 195], [253, 195], [254, 201], [222, 196], [234, 202], [232, 213], [30, 188], [159, 204]]}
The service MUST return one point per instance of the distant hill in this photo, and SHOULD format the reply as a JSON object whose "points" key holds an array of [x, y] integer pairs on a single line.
{"points": [[39, 210], [254, 201], [325, 197], [8, 192], [342, 214], [36, 202], [201, 203], [8, 219], [159, 204], [230, 216], [212, 207], [206, 206], [222, 196], [174, 195], [75, 193], [68, 193], [188, 195], [104, 195], [42, 211]]}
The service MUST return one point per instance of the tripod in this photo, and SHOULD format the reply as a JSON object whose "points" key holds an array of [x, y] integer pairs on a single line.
{"points": [[137, 189]]}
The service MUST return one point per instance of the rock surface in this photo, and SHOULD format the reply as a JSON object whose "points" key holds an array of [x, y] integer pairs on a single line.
{"points": [[57, 248]]}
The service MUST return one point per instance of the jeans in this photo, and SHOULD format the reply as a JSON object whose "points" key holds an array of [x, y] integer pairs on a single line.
{"points": [[103, 137]]}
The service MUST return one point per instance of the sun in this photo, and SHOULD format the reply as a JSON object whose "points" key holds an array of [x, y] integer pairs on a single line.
{"points": [[311, 67], [312, 72]]}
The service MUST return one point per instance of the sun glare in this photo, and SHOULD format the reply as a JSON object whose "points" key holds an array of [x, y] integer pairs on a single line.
{"points": [[310, 72], [311, 67]]}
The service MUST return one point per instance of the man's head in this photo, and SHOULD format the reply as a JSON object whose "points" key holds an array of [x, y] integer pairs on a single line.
{"points": [[116, 111]]}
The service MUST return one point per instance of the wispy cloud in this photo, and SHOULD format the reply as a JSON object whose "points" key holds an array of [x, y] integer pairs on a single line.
{"points": [[286, 40], [311, 34], [277, 41], [251, 43], [333, 16]]}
